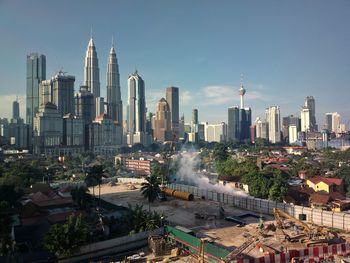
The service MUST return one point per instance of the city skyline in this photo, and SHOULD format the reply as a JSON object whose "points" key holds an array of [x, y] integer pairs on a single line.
{"points": [[268, 64]]}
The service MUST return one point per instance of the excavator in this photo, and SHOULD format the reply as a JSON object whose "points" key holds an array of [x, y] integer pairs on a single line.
{"points": [[311, 235]]}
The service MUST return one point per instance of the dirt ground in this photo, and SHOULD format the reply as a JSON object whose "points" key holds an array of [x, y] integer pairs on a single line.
{"points": [[180, 212], [225, 233]]}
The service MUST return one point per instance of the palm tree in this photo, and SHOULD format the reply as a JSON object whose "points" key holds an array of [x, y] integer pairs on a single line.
{"points": [[150, 188], [95, 177]]}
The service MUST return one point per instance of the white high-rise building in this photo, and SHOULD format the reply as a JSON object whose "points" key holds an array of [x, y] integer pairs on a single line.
{"points": [[273, 118], [261, 129], [293, 133], [114, 102], [136, 111], [215, 132], [305, 119], [333, 122]]}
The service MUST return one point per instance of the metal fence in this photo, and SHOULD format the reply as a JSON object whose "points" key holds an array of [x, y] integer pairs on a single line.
{"points": [[337, 220]]}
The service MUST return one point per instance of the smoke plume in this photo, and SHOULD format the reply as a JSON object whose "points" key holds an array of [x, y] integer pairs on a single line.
{"points": [[188, 165]]}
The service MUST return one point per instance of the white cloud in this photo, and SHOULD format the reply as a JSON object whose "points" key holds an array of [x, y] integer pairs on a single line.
{"points": [[185, 97], [6, 105]]}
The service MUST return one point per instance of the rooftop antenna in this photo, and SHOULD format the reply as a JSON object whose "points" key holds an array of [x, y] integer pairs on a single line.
{"points": [[241, 79]]}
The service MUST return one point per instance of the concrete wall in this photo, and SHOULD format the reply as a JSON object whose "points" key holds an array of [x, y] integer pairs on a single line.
{"points": [[112, 246], [313, 215], [105, 181]]}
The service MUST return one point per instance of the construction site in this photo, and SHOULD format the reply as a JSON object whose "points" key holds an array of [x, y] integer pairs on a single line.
{"points": [[203, 230]]}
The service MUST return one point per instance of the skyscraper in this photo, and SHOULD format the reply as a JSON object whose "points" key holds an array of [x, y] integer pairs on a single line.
{"points": [[273, 118], [233, 124], [172, 97], [310, 104], [114, 102], [36, 72], [60, 91], [305, 116], [91, 70], [194, 116], [15, 110], [333, 122], [239, 120], [162, 123], [136, 110]]}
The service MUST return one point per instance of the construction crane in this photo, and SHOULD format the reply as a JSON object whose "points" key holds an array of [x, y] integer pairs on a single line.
{"points": [[278, 213]]}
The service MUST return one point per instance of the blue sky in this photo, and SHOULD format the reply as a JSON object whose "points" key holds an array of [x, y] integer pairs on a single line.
{"points": [[285, 49]]}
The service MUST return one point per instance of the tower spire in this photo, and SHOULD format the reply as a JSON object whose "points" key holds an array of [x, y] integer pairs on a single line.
{"points": [[242, 92], [91, 35]]}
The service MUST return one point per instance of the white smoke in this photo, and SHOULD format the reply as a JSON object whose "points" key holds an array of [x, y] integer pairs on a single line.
{"points": [[188, 165]]}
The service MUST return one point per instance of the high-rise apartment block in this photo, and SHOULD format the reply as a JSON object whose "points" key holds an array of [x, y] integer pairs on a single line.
{"points": [[216, 132], [273, 118], [36, 72], [305, 117]]}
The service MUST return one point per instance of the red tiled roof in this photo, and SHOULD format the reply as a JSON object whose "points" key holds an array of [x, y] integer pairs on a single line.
{"points": [[320, 198], [326, 180], [61, 217]]}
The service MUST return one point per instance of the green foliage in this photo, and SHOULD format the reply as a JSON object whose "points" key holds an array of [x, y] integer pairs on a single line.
{"points": [[150, 188], [266, 184], [344, 173], [64, 240], [5, 228], [138, 220], [10, 194], [22, 174], [235, 169], [220, 153]]}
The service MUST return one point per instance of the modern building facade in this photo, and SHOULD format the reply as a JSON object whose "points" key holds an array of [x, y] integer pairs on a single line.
{"points": [[114, 101], [36, 72], [305, 117], [261, 129], [60, 91], [172, 97], [239, 120], [332, 123], [216, 132], [48, 130], [273, 118], [136, 111], [311, 105], [91, 70], [162, 123]]}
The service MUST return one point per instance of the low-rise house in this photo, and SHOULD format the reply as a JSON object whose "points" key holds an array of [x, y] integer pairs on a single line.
{"points": [[329, 185]]}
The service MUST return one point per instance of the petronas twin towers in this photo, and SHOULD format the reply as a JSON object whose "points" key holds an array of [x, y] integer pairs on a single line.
{"points": [[92, 82]]}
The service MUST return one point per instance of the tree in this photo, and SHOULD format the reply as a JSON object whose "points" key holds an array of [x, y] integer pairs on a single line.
{"points": [[150, 188], [220, 152], [64, 240], [5, 229], [80, 196], [279, 188], [138, 220], [94, 178]]}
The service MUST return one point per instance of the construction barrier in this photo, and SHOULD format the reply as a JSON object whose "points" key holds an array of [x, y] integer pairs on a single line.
{"points": [[316, 216], [312, 254]]}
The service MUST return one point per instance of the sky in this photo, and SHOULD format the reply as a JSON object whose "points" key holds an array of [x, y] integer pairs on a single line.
{"points": [[286, 50]]}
